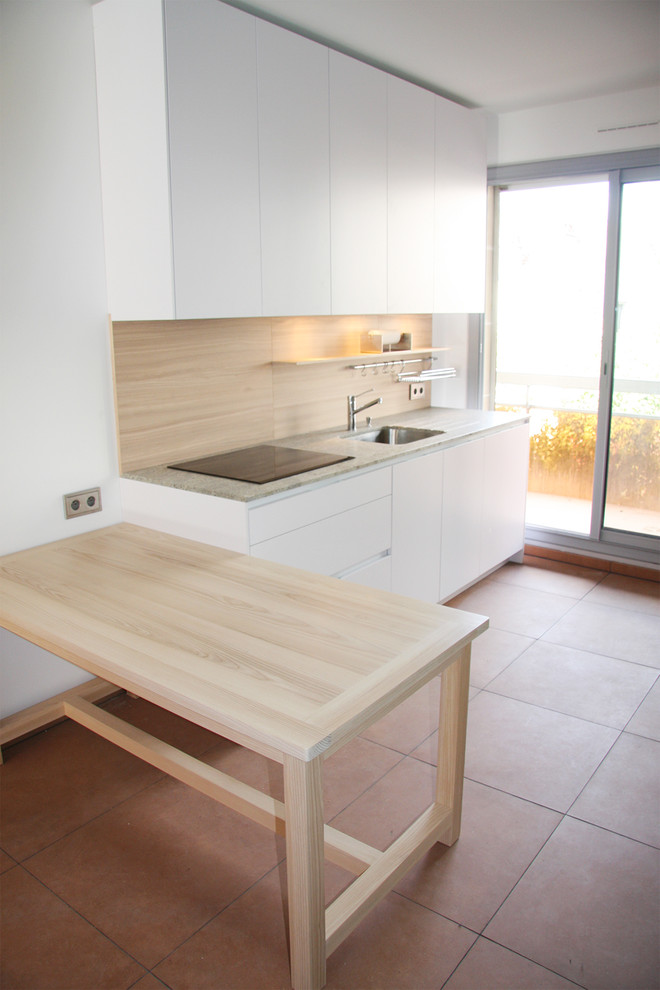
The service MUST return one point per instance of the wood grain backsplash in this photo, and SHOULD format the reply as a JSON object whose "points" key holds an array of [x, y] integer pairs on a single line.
{"points": [[185, 388]]}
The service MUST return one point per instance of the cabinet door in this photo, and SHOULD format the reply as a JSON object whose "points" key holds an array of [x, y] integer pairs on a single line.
{"points": [[411, 193], [302, 508], [377, 574], [334, 545], [294, 160], [358, 186], [460, 209], [214, 159], [462, 502], [506, 456], [416, 526], [132, 114]]}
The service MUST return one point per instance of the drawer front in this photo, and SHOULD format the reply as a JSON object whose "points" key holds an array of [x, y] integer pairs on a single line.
{"points": [[376, 574], [333, 545], [286, 514]]}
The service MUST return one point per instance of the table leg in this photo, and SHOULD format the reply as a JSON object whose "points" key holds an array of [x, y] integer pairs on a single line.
{"points": [[451, 740], [303, 801]]}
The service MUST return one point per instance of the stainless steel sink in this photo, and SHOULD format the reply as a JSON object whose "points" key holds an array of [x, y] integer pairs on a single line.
{"points": [[398, 434]]}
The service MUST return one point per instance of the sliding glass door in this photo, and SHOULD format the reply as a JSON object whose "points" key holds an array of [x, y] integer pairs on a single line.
{"points": [[576, 318], [551, 278], [632, 502]]}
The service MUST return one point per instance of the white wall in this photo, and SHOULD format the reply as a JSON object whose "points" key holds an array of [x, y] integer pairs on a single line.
{"points": [[459, 336], [595, 126], [56, 409]]}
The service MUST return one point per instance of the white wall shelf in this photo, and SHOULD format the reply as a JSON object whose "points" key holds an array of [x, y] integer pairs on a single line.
{"points": [[395, 357]]}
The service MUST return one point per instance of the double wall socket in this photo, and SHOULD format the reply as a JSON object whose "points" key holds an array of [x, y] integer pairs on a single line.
{"points": [[82, 503], [417, 391]]}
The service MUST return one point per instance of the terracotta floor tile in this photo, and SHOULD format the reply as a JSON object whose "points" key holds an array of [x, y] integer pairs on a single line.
{"points": [[500, 836], [646, 720], [526, 611], [587, 908], [172, 729], [351, 771], [536, 754], [488, 966], [610, 631], [411, 722], [249, 767], [492, 652], [386, 809], [346, 774], [45, 944], [575, 682], [245, 946], [631, 773], [552, 576], [52, 783], [152, 871], [399, 946], [6, 862], [149, 982], [627, 592]]}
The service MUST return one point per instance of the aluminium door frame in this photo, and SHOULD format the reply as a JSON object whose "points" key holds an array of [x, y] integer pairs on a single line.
{"points": [[619, 168]]}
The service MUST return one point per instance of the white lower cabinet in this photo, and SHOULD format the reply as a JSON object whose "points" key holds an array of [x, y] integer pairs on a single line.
{"points": [[458, 514], [506, 459], [416, 526], [376, 574], [336, 544], [484, 489], [341, 530], [426, 527], [462, 510]]}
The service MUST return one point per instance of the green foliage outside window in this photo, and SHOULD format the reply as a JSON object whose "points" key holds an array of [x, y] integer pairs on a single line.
{"points": [[562, 455]]}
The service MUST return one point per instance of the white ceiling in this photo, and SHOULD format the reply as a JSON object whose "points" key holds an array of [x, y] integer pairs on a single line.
{"points": [[495, 54]]}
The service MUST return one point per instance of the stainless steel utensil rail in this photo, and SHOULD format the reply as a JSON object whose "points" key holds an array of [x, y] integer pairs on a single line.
{"points": [[426, 376], [392, 364]]}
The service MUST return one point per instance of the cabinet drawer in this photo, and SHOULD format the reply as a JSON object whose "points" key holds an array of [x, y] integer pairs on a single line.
{"points": [[287, 514], [335, 544], [376, 574]]}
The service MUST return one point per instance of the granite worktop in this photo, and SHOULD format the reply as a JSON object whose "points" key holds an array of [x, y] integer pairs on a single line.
{"points": [[458, 425]]}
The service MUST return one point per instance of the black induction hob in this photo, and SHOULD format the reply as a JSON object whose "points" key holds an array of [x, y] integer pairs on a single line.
{"points": [[260, 464]]}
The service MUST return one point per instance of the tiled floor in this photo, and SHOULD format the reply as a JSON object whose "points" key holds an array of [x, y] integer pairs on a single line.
{"points": [[114, 876]]}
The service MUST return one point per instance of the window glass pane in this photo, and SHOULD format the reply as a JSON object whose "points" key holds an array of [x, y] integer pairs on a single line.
{"points": [[633, 479], [551, 277]]}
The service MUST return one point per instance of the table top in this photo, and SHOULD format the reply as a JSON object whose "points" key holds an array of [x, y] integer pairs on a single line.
{"points": [[273, 657]]}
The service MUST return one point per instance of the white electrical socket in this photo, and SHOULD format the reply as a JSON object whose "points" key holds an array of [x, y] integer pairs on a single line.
{"points": [[416, 391], [82, 503]]}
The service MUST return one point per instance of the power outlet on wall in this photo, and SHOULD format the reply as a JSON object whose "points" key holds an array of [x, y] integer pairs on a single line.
{"points": [[82, 503], [416, 391]]}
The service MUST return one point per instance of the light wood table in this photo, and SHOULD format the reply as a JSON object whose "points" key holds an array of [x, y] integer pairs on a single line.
{"points": [[289, 664]]}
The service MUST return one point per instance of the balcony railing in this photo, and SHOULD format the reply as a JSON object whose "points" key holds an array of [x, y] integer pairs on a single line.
{"points": [[563, 424]]}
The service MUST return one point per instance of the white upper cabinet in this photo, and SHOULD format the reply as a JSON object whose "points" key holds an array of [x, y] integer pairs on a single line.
{"points": [[358, 186], [411, 195], [132, 113], [294, 163], [460, 209], [247, 171], [214, 159]]}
